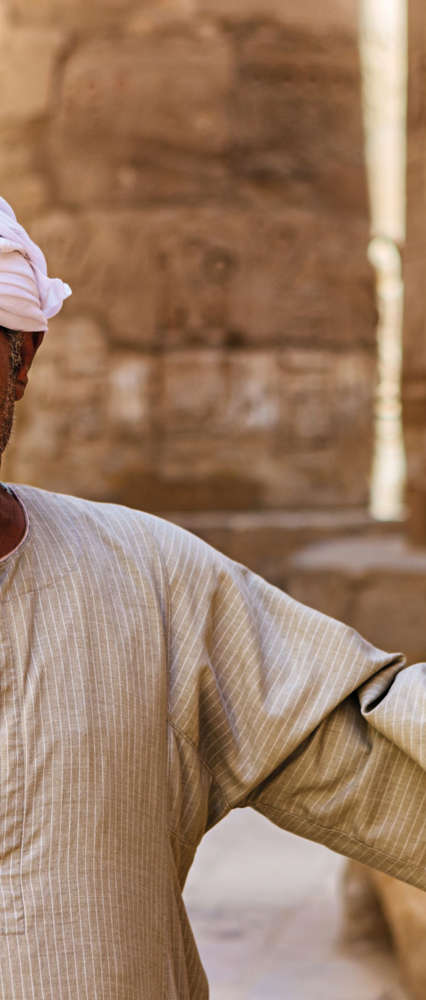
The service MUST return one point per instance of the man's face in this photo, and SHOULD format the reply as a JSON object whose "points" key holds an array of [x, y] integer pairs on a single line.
{"points": [[10, 364], [17, 351]]}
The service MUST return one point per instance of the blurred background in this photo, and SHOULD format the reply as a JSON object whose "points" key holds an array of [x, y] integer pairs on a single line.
{"points": [[234, 191]]}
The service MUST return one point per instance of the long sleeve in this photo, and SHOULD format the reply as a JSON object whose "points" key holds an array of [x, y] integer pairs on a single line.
{"points": [[283, 709]]}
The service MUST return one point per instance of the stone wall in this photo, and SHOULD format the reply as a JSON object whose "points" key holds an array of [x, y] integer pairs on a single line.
{"points": [[195, 171], [414, 385]]}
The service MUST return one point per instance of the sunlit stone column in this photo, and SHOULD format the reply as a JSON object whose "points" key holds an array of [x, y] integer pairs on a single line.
{"points": [[383, 43]]}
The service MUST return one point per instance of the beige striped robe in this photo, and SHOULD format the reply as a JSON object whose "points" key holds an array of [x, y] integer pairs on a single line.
{"points": [[148, 685]]}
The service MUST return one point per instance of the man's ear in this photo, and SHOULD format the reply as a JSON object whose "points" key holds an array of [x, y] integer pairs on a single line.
{"points": [[31, 343]]}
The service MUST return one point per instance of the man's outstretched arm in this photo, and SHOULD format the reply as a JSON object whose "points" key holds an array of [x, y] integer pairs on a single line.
{"points": [[292, 713]]}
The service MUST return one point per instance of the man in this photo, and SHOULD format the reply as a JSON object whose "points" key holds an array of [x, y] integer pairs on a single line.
{"points": [[148, 686]]}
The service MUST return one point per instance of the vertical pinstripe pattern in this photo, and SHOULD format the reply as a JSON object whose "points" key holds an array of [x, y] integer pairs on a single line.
{"points": [[148, 685]]}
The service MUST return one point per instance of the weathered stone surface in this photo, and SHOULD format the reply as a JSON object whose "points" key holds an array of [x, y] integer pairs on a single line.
{"points": [[194, 393], [362, 916], [70, 12], [414, 334], [63, 408], [326, 17], [415, 444], [266, 274], [180, 278], [108, 262], [137, 120], [168, 87], [405, 909], [154, 14], [193, 430], [271, 100], [414, 384], [258, 425], [336, 395], [23, 182], [27, 61], [156, 175], [376, 585], [294, 116], [415, 172], [83, 402], [198, 166], [130, 395], [390, 611], [265, 540], [415, 441], [330, 593], [375, 902]]}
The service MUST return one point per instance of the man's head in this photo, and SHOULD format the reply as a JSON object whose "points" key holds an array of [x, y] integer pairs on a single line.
{"points": [[28, 299]]}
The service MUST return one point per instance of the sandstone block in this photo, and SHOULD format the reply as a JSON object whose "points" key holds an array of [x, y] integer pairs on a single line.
{"points": [[414, 358], [415, 443], [416, 82], [154, 14], [320, 476], [330, 593], [85, 425], [131, 389], [265, 540], [60, 424], [286, 284], [155, 176], [390, 611], [307, 397], [292, 96], [138, 118], [194, 386], [168, 87], [199, 253], [253, 402], [296, 116], [70, 369], [108, 261], [72, 13], [326, 397], [248, 474], [264, 427], [338, 15], [405, 910], [415, 183], [27, 61], [268, 275], [362, 916], [377, 585], [27, 192], [22, 181]]}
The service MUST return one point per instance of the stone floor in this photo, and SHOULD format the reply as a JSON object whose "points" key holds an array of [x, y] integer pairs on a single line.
{"points": [[266, 912]]}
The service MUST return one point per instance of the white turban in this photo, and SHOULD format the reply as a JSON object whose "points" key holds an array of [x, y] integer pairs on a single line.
{"points": [[28, 297]]}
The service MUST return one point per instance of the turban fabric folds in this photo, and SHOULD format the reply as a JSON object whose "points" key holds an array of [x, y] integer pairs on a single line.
{"points": [[28, 297]]}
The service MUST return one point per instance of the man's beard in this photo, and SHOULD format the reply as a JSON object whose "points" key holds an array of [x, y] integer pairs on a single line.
{"points": [[7, 399]]}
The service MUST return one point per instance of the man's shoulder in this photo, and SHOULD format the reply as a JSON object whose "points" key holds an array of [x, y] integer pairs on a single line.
{"points": [[71, 530], [108, 522], [63, 504], [79, 519]]}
